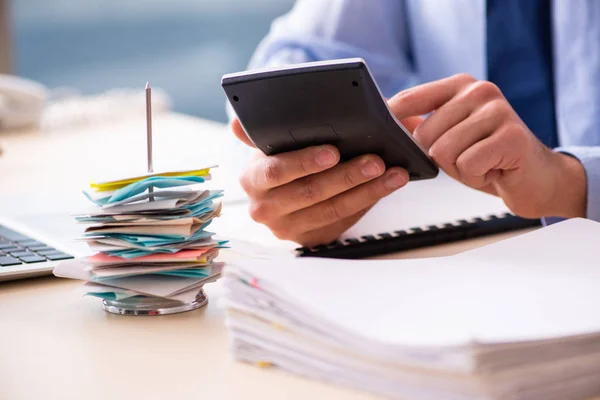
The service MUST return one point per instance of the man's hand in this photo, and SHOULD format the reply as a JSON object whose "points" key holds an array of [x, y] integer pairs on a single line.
{"points": [[476, 137], [307, 196]]}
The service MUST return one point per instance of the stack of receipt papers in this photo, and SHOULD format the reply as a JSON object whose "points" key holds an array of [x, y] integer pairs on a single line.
{"points": [[151, 237], [515, 320]]}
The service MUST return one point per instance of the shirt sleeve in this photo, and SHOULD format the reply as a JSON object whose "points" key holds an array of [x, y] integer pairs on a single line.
{"points": [[314, 30], [590, 158]]}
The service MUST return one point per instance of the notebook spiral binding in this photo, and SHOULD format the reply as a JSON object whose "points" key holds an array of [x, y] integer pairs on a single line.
{"points": [[392, 242]]}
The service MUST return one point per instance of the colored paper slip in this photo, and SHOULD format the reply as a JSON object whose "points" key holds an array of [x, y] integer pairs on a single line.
{"points": [[122, 182], [181, 256]]}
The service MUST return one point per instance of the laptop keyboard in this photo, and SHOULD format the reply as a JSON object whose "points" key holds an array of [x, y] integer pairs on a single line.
{"points": [[18, 249]]}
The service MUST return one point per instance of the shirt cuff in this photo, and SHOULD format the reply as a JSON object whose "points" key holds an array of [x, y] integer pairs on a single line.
{"points": [[551, 220], [590, 158]]}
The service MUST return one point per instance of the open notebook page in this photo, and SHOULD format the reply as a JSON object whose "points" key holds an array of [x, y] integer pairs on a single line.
{"points": [[422, 203]]}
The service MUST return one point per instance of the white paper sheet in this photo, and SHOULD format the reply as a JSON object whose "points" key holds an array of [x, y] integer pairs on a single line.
{"points": [[542, 285]]}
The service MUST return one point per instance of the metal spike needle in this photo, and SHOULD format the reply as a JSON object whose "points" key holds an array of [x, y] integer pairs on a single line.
{"points": [[149, 132]]}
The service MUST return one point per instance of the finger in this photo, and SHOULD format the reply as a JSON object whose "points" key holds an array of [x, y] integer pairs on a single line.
{"points": [[330, 233], [238, 131], [428, 97], [349, 203], [492, 157], [446, 150], [316, 188], [269, 172], [457, 109]]}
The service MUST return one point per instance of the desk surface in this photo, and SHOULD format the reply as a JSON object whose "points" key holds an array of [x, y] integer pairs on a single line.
{"points": [[56, 345]]}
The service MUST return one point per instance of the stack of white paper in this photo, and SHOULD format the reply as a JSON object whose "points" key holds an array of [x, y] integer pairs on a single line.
{"points": [[151, 238], [514, 320]]}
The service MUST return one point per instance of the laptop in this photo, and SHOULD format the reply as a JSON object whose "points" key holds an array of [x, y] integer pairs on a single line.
{"points": [[35, 236]]}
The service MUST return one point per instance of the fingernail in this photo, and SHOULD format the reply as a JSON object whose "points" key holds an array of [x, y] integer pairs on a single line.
{"points": [[394, 181], [370, 169], [326, 158]]}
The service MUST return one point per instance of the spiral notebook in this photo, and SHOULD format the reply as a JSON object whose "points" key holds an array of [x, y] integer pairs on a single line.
{"points": [[424, 213]]}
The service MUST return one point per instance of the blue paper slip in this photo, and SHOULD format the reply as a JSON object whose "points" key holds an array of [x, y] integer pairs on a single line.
{"points": [[141, 186], [135, 253]]}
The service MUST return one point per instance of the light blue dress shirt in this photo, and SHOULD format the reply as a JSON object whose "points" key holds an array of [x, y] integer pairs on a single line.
{"points": [[406, 42]]}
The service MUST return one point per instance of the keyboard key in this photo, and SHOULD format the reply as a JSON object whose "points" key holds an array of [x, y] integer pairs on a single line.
{"points": [[7, 245], [46, 251], [40, 247], [11, 235], [7, 261], [58, 256], [32, 259], [28, 242], [22, 253], [12, 248]]}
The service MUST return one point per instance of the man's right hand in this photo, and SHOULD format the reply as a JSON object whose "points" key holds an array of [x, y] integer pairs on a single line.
{"points": [[308, 196]]}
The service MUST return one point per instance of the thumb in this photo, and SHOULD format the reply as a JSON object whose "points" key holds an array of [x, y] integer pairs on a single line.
{"points": [[239, 132]]}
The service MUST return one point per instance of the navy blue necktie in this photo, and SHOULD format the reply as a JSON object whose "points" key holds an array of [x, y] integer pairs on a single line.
{"points": [[519, 58]]}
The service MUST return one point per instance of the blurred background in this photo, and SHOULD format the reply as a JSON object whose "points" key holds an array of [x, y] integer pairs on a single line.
{"points": [[181, 46]]}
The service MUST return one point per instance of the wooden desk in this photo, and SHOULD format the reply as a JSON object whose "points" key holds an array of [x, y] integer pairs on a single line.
{"points": [[56, 345]]}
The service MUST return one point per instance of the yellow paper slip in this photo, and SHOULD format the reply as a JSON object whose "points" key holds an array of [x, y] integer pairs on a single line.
{"points": [[103, 186]]}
